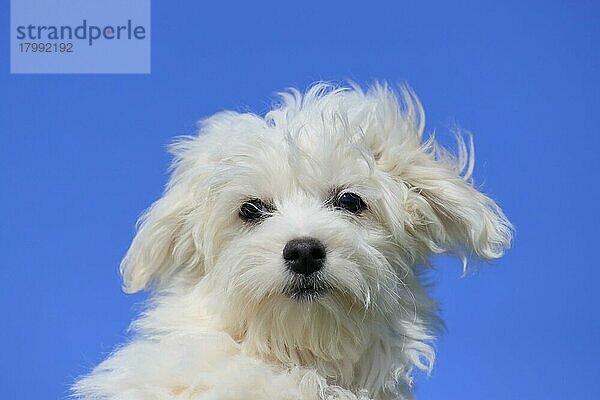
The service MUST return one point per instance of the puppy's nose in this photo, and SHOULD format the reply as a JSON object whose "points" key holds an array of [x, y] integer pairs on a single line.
{"points": [[304, 255]]}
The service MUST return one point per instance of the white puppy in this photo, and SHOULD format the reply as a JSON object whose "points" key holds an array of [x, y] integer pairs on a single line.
{"points": [[286, 256]]}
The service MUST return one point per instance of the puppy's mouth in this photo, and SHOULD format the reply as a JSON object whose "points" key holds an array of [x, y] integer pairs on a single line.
{"points": [[306, 288]]}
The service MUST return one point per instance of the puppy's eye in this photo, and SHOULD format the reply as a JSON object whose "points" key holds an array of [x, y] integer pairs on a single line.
{"points": [[350, 202], [253, 209]]}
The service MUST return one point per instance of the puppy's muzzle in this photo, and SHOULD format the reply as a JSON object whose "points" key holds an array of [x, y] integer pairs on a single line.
{"points": [[304, 256]]}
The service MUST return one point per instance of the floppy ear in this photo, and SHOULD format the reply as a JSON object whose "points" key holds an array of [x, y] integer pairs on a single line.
{"points": [[162, 243], [453, 216], [443, 209], [171, 236], [168, 237]]}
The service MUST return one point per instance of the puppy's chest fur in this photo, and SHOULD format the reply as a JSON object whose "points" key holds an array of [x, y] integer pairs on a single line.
{"points": [[360, 355]]}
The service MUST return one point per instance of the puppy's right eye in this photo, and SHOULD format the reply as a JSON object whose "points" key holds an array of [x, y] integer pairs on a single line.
{"points": [[253, 210]]}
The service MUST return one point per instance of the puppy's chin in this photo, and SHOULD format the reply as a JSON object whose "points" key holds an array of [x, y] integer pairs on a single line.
{"points": [[306, 288]]}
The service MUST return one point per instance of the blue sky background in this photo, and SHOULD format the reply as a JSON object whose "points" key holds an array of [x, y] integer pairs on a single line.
{"points": [[82, 155]]}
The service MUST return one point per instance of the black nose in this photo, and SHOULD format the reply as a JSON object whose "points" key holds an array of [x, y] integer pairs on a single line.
{"points": [[304, 255]]}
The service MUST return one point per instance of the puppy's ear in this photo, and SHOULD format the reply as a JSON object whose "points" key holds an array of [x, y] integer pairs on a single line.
{"points": [[162, 243], [168, 235], [450, 215], [442, 208], [171, 236]]}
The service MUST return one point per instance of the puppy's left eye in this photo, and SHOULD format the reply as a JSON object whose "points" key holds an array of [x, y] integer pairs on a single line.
{"points": [[253, 210], [350, 202]]}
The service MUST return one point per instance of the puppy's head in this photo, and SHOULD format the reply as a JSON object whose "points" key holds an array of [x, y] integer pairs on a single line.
{"points": [[316, 215]]}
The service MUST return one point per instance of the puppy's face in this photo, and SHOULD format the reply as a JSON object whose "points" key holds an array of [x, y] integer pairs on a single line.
{"points": [[290, 227], [330, 203]]}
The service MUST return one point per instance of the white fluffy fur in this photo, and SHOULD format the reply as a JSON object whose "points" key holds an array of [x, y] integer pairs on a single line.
{"points": [[220, 326]]}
